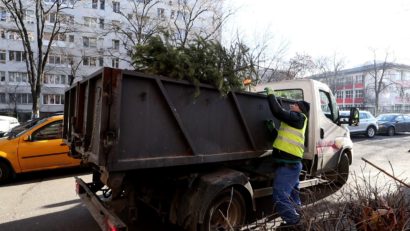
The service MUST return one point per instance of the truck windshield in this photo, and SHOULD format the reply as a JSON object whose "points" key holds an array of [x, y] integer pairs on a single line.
{"points": [[293, 94]]}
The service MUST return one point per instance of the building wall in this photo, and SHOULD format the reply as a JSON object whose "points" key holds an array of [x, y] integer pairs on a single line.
{"points": [[91, 44], [353, 88]]}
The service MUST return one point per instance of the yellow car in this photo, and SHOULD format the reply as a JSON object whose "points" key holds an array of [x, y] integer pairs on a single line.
{"points": [[33, 146]]}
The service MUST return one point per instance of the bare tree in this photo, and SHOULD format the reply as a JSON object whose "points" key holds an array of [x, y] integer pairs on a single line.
{"points": [[298, 66], [47, 17], [330, 68], [378, 81], [190, 20], [140, 24]]}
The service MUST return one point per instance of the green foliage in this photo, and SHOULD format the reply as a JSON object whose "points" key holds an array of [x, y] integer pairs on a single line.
{"points": [[199, 62]]}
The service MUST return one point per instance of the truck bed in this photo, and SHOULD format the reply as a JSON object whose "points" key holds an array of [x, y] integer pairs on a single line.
{"points": [[124, 120]]}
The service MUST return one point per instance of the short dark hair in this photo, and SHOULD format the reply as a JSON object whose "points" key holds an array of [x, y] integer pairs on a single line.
{"points": [[304, 106]]}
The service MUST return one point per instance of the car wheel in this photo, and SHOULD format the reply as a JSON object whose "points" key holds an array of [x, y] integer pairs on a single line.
{"points": [[371, 132], [227, 211], [391, 131], [5, 172]]}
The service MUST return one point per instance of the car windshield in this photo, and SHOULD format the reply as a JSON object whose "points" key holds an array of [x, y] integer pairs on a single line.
{"points": [[19, 130], [344, 113], [386, 117]]}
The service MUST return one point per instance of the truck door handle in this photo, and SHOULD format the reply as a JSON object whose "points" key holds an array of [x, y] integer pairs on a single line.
{"points": [[63, 144], [322, 133]]}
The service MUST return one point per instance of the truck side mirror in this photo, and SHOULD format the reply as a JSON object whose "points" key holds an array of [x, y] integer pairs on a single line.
{"points": [[354, 117]]}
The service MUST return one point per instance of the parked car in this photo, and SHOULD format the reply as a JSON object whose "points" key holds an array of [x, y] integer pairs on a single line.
{"points": [[367, 126], [392, 123], [7, 123], [36, 145]]}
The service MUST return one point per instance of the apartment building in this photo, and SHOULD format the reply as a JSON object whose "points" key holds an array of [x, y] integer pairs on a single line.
{"points": [[96, 36], [355, 87]]}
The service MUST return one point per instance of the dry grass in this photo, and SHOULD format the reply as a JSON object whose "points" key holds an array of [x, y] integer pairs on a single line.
{"points": [[366, 203]]}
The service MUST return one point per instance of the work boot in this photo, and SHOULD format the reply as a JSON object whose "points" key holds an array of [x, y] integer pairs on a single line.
{"points": [[290, 227]]}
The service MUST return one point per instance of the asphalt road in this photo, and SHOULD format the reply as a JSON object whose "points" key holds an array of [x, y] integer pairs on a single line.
{"points": [[47, 200], [44, 201]]}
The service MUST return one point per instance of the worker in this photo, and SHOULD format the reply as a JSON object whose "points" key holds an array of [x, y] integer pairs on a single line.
{"points": [[287, 154]]}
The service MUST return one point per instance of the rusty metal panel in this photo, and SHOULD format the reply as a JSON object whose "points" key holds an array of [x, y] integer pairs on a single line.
{"points": [[132, 121]]}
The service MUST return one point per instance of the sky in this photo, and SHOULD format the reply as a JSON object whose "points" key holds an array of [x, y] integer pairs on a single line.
{"points": [[347, 28]]}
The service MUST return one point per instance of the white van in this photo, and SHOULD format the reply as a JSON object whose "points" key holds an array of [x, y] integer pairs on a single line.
{"points": [[7, 123]]}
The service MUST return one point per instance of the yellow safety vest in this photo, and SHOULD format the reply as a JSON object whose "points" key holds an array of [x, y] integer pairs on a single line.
{"points": [[290, 139]]}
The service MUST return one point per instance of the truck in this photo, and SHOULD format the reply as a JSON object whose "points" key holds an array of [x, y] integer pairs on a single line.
{"points": [[199, 162]]}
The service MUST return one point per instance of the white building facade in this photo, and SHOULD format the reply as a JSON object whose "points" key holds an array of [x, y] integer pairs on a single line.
{"points": [[355, 87], [96, 37]]}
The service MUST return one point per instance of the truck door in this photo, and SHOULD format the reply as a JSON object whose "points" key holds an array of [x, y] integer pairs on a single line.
{"points": [[329, 131]]}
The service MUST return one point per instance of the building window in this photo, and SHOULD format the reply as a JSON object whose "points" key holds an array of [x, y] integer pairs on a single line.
{"points": [[359, 94], [89, 42], [3, 14], [349, 80], [116, 24], [2, 34], [14, 35], [172, 16], [90, 22], [60, 37], [17, 56], [2, 76], [53, 99], [18, 77], [102, 4], [339, 94], [89, 61], [2, 98], [55, 59], [349, 94], [359, 79], [161, 13], [71, 38], [340, 81], [21, 98], [55, 79], [115, 62], [116, 7], [115, 44], [2, 56], [94, 4], [51, 17], [101, 61], [101, 23]]}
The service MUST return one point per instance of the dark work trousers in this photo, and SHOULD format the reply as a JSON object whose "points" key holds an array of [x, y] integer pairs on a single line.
{"points": [[286, 191]]}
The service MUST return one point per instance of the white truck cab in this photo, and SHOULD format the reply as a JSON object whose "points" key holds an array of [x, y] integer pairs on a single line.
{"points": [[328, 145]]}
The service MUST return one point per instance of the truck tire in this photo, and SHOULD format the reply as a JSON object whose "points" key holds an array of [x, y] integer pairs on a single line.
{"points": [[340, 175], [370, 131], [227, 211], [342, 170], [5, 172]]}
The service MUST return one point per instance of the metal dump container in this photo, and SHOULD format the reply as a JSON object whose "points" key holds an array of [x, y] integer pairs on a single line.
{"points": [[125, 120]]}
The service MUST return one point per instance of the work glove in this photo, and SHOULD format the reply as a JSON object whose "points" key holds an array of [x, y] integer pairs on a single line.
{"points": [[270, 125], [269, 91]]}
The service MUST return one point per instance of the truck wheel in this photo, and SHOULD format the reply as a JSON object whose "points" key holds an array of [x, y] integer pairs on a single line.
{"points": [[227, 211], [342, 170], [391, 131], [5, 172], [340, 175], [371, 132]]}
